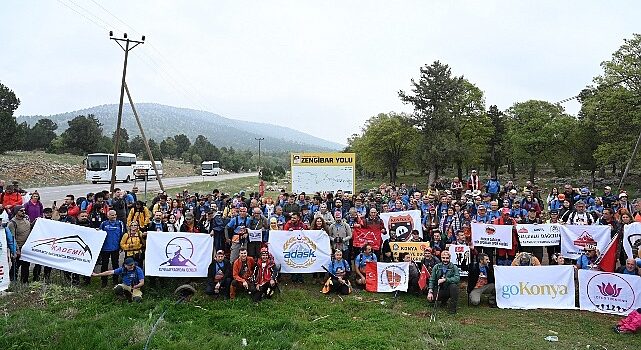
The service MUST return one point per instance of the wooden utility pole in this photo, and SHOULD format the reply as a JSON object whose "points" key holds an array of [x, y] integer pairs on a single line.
{"points": [[144, 138], [125, 48]]}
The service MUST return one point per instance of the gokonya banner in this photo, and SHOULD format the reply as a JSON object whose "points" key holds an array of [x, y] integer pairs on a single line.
{"points": [[63, 246], [300, 251], [535, 287], [4, 261], [178, 254], [609, 293]]}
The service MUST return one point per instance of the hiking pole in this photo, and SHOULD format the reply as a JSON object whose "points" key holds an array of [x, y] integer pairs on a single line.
{"points": [[435, 308]]}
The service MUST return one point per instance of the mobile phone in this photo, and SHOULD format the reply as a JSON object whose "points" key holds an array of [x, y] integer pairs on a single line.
{"points": [[54, 203]]}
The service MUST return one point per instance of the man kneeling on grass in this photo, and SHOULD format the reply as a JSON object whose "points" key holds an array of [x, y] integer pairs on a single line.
{"points": [[133, 278], [242, 272], [444, 282]]}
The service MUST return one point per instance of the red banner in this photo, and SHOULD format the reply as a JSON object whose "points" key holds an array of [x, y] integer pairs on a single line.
{"points": [[362, 236]]}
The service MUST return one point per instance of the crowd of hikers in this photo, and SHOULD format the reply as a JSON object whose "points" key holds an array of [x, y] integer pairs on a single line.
{"points": [[447, 210]]}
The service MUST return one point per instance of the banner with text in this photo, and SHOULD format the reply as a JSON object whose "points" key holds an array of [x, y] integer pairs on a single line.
{"points": [[460, 256], [538, 235], [63, 246], [575, 237], [4, 261], [178, 254], [318, 172], [387, 277], [402, 223], [609, 293], [535, 287], [490, 235], [299, 251], [414, 249], [362, 236], [632, 239]]}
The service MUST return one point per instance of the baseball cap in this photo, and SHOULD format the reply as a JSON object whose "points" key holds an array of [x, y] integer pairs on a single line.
{"points": [[130, 261]]}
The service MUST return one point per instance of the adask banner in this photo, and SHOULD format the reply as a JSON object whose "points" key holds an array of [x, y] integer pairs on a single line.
{"points": [[362, 236], [4, 261], [575, 237], [631, 239], [300, 251], [534, 287], [539, 235], [609, 293], [490, 235], [178, 254], [386, 277], [63, 246], [402, 223]]}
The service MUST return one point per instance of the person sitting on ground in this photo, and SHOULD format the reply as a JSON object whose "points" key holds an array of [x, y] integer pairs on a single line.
{"points": [[587, 261], [265, 276], [412, 284], [133, 278], [630, 268], [525, 259], [429, 260], [481, 280], [444, 282], [242, 274], [361, 260], [339, 271], [219, 276]]}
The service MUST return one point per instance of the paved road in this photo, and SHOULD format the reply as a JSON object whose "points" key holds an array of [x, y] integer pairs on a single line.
{"points": [[58, 193]]}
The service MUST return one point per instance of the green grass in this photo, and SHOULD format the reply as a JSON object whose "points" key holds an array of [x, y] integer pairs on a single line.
{"points": [[301, 317]]}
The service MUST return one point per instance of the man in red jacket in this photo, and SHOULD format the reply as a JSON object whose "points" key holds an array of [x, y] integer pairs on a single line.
{"points": [[506, 256], [242, 270]]}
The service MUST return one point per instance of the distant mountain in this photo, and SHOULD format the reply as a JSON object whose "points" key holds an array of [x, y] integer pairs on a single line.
{"points": [[161, 121]]}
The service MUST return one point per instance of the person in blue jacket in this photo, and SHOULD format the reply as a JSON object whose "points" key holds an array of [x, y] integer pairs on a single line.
{"points": [[111, 247], [493, 187], [10, 241], [133, 278]]}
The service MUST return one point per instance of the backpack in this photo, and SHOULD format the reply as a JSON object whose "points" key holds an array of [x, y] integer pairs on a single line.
{"points": [[80, 200]]}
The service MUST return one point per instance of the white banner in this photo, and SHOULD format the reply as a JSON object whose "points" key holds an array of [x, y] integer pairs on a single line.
{"points": [[402, 223], [255, 235], [490, 235], [632, 239], [575, 237], [178, 254], [609, 293], [535, 287], [460, 256], [539, 235], [4, 260], [299, 251], [63, 246], [387, 277]]}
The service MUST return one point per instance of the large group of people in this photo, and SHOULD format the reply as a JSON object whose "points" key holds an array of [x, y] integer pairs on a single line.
{"points": [[243, 266]]}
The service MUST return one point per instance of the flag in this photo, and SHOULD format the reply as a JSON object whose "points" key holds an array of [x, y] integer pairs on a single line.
{"points": [[425, 276], [370, 235], [608, 260], [386, 277]]}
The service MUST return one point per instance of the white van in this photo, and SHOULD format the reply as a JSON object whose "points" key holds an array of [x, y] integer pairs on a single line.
{"points": [[210, 168], [146, 164]]}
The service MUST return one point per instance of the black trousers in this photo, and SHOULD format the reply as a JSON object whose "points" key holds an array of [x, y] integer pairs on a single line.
{"points": [[449, 291], [36, 272], [263, 291], [222, 290], [338, 287], [21, 265], [115, 263]]}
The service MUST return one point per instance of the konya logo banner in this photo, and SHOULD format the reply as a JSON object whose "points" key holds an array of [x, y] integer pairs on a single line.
{"points": [[539, 235], [534, 287], [63, 246], [575, 237], [178, 254], [387, 277], [414, 249], [402, 223], [490, 235], [362, 236], [4, 260], [632, 239], [300, 251], [609, 293]]}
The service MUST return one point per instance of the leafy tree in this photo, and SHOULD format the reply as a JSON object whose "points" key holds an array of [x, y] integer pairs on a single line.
{"points": [[182, 144], [168, 147], [137, 146], [83, 134], [496, 143], [8, 125], [123, 145], [205, 149], [196, 160], [42, 134], [155, 151]]}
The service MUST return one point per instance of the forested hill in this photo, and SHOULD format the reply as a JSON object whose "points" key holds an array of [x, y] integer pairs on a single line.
{"points": [[162, 121]]}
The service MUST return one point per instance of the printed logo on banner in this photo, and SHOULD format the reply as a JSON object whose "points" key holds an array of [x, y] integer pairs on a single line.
{"points": [[490, 230], [299, 252], [179, 252], [584, 239], [527, 289], [402, 225], [70, 247], [610, 296], [556, 229], [392, 275]]}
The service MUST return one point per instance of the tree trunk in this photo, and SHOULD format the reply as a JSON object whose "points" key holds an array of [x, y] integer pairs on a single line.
{"points": [[601, 172], [592, 178], [459, 169], [614, 168], [532, 171], [431, 174]]}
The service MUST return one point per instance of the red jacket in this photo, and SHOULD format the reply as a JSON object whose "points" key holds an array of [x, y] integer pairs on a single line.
{"points": [[9, 200], [515, 239], [73, 210], [299, 226]]}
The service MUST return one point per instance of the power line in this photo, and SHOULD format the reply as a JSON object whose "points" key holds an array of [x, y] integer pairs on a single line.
{"points": [[85, 17]]}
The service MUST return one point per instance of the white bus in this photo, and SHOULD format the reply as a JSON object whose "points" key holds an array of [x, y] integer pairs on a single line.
{"points": [[146, 164], [210, 168], [99, 167]]}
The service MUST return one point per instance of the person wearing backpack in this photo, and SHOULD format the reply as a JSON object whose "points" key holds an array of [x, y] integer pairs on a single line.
{"points": [[133, 278], [338, 271]]}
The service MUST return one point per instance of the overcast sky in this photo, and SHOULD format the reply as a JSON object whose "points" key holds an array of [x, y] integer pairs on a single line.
{"points": [[322, 67]]}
